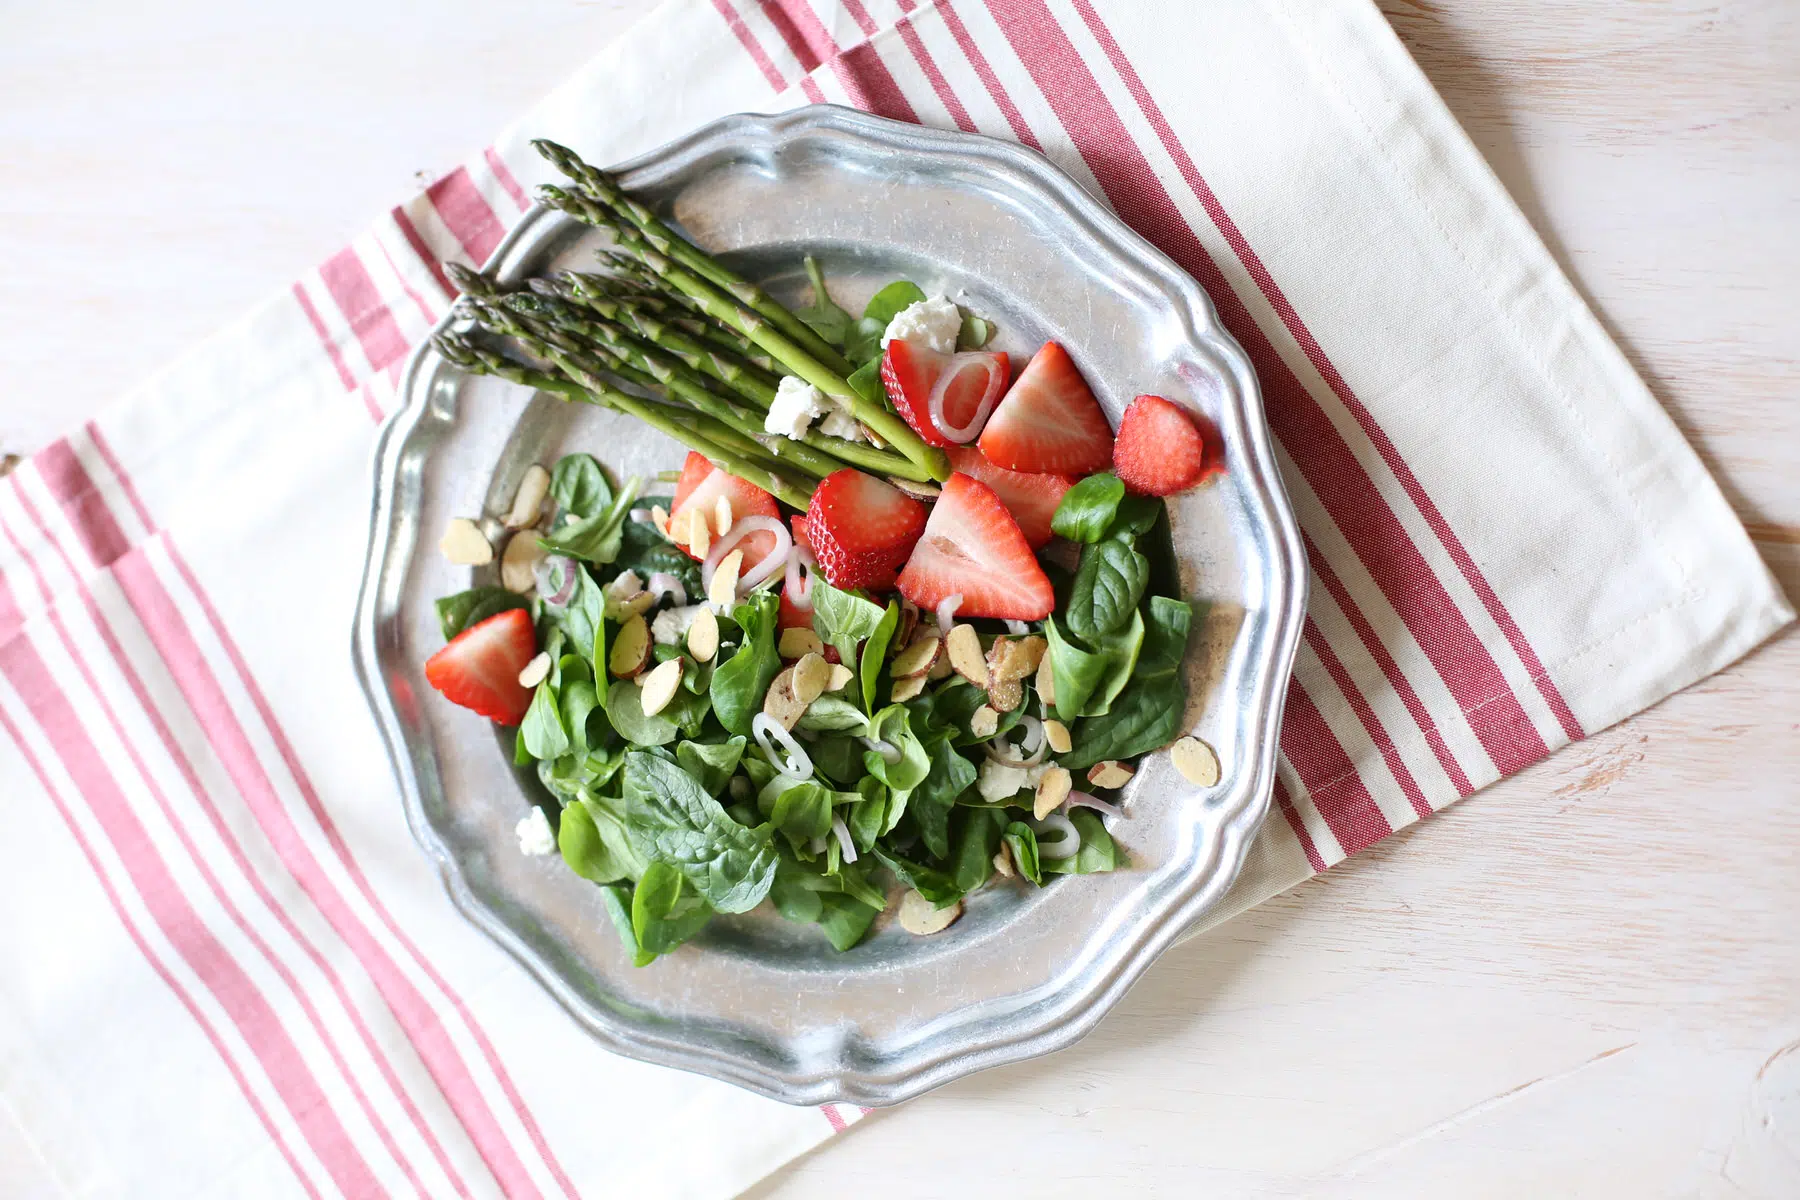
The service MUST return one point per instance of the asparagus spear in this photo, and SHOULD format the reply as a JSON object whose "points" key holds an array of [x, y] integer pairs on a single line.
{"points": [[601, 187], [645, 282]]}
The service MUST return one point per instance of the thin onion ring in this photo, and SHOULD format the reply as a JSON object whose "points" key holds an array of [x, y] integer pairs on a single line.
{"points": [[661, 584], [946, 612], [797, 583], [797, 764], [1066, 846], [890, 753], [952, 370], [843, 836], [764, 570], [1084, 800], [558, 596], [999, 748]]}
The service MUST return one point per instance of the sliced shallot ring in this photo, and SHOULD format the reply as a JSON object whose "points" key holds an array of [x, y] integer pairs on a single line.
{"points": [[1066, 846], [765, 570], [559, 595], [797, 584], [890, 753], [1017, 627], [1000, 749], [1084, 800], [952, 370], [661, 584], [797, 764], [843, 836], [639, 514], [946, 613]]}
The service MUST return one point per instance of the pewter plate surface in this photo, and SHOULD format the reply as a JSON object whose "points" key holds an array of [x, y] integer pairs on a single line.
{"points": [[755, 1000]]}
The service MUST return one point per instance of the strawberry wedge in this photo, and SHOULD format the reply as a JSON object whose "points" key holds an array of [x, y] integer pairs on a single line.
{"points": [[972, 547], [946, 398], [1031, 499], [1049, 422], [1159, 451], [861, 529], [699, 489], [480, 667]]}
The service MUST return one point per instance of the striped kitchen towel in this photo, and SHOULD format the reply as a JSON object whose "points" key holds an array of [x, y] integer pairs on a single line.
{"points": [[224, 967]]}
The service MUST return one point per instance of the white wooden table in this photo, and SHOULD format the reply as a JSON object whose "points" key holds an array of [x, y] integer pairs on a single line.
{"points": [[1566, 985]]}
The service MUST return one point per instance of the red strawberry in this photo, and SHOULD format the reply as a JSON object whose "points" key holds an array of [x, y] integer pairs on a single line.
{"points": [[973, 546], [862, 529], [1049, 421], [1031, 499], [480, 667], [1159, 451], [792, 615], [700, 487], [975, 380]]}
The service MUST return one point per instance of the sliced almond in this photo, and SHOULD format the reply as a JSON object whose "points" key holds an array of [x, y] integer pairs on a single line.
{"points": [[699, 539], [799, 642], [1014, 657], [703, 636], [811, 674], [1196, 761], [964, 645], [918, 491], [919, 915], [1056, 736], [1003, 862], [722, 592], [918, 658], [659, 517], [1004, 694], [465, 545], [630, 649], [909, 623], [781, 703], [534, 485], [1109, 774], [940, 669], [840, 678], [905, 689], [1046, 683], [535, 672], [1052, 790], [984, 722], [518, 566], [660, 687], [722, 515]]}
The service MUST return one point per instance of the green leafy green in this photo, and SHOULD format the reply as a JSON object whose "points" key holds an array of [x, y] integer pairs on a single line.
{"points": [[1088, 508], [802, 811], [712, 764], [598, 538], [975, 333], [837, 758], [542, 729], [580, 705], [844, 619], [1021, 843], [932, 800], [864, 341], [826, 319], [845, 919], [866, 380], [1098, 852], [1148, 712], [1120, 653], [740, 683], [1136, 516], [973, 845], [662, 915], [874, 652], [893, 725], [617, 898], [594, 843], [582, 620], [467, 609], [625, 709], [868, 819], [674, 821], [833, 714], [1076, 672], [578, 486], [1108, 586], [929, 882]]}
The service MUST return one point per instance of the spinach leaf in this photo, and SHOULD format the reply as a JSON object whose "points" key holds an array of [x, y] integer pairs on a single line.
{"points": [[974, 845], [845, 919], [646, 551], [842, 903], [929, 882], [931, 801], [730, 865], [1077, 672], [574, 776], [868, 818], [1098, 852], [975, 333], [595, 845], [1166, 637], [826, 319], [866, 380], [1087, 509], [1108, 586], [578, 486], [834, 714], [466, 609], [893, 726], [837, 758], [582, 620], [712, 765], [542, 731], [1145, 716], [875, 650], [955, 703], [625, 709], [617, 898], [662, 916], [1021, 843], [802, 811], [1136, 516], [740, 683], [891, 300], [599, 538], [844, 619], [1120, 652], [580, 701]]}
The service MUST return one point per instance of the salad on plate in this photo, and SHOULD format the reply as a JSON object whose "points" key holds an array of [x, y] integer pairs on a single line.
{"points": [[906, 622]]}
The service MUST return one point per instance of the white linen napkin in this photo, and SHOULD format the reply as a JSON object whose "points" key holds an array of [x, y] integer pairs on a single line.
{"points": [[225, 969]]}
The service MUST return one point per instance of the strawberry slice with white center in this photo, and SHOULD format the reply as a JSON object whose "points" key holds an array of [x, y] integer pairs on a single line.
{"points": [[972, 547], [1049, 422], [480, 667], [861, 529], [1159, 451], [946, 398], [698, 491], [1031, 499]]}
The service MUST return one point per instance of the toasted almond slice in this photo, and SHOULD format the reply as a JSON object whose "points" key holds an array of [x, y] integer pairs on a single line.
{"points": [[1056, 735], [918, 491], [984, 722], [1004, 694], [909, 623], [1014, 657], [799, 642], [660, 687], [518, 566], [840, 678], [907, 687], [1109, 774], [722, 515], [534, 485], [918, 658], [630, 649], [703, 636], [919, 915], [940, 669], [659, 517], [964, 645], [1196, 761], [1003, 862], [1052, 790], [722, 592], [699, 533], [781, 703], [811, 674], [535, 672], [1046, 683], [465, 545]]}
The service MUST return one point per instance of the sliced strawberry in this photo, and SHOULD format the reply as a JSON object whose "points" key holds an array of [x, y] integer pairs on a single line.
{"points": [[792, 616], [700, 487], [970, 382], [1049, 421], [972, 546], [1031, 499], [1159, 451], [480, 667], [862, 529]]}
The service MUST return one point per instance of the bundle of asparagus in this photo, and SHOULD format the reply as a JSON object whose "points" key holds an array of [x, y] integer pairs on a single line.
{"points": [[703, 348]]}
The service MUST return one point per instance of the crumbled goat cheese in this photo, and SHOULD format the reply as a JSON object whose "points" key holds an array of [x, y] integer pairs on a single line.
{"points": [[671, 624], [933, 323], [618, 595], [534, 834], [839, 423], [798, 404], [998, 782]]}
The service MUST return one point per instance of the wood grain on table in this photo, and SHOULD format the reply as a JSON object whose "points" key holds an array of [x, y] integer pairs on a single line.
{"points": [[1583, 981]]}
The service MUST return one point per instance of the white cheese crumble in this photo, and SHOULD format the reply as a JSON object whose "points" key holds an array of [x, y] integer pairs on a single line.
{"points": [[671, 624], [997, 781], [798, 404], [933, 323], [621, 594], [839, 423], [534, 834]]}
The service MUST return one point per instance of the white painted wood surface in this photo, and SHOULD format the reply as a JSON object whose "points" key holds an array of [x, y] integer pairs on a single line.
{"points": [[1584, 981]]}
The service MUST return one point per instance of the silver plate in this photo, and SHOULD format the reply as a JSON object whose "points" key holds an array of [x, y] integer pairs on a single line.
{"points": [[755, 1000]]}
